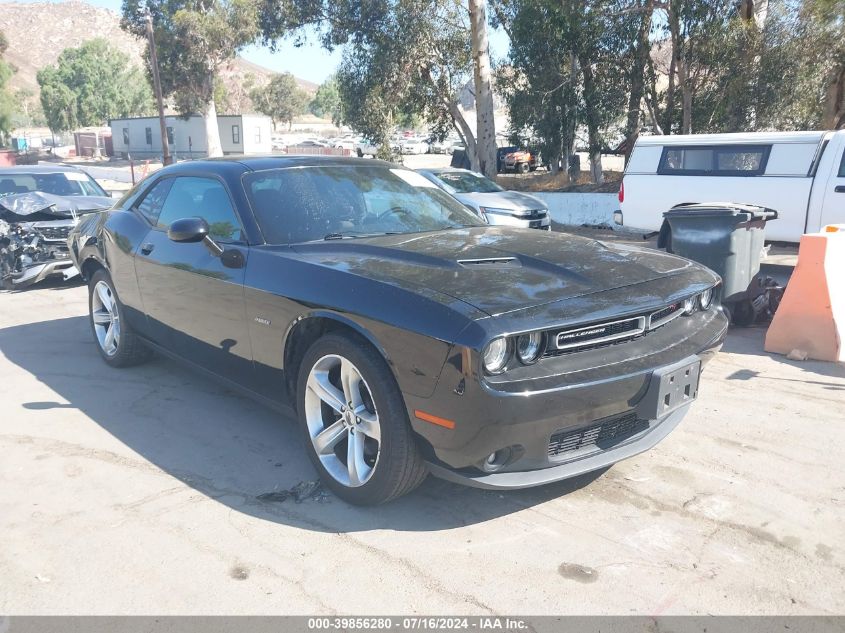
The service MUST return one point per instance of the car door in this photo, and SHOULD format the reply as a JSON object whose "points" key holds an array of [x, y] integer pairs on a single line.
{"points": [[833, 206], [194, 299]]}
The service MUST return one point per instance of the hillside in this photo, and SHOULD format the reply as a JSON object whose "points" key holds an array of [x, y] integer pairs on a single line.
{"points": [[39, 31]]}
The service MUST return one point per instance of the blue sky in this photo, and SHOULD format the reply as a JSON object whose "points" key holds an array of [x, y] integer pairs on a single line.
{"points": [[310, 61]]}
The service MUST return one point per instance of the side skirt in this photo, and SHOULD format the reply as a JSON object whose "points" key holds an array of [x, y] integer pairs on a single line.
{"points": [[275, 405]]}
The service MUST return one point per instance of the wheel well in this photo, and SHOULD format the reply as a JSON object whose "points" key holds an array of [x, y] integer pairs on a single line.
{"points": [[302, 336], [89, 267]]}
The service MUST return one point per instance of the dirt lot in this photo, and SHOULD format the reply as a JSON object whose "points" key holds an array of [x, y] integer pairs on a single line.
{"points": [[135, 491]]}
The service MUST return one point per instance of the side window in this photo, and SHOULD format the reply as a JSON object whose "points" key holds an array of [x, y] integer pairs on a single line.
{"points": [[841, 173], [236, 134], [126, 136], [170, 135], [149, 133], [204, 198], [150, 205], [257, 134], [717, 160]]}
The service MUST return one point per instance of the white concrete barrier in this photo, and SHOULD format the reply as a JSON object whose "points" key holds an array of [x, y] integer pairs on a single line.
{"points": [[580, 208]]}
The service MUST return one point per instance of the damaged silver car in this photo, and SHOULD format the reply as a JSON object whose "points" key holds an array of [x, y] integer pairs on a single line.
{"points": [[39, 205]]}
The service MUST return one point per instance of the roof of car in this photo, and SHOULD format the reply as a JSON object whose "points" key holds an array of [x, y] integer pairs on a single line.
{"points": [[39, 169], [446, 170], [259, 163]]}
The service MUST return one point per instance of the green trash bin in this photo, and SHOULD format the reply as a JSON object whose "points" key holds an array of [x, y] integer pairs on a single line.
{"points": [[728, 238]]}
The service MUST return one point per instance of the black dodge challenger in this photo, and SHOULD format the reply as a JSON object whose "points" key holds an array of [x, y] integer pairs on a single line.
{"points": [[408, 336]]}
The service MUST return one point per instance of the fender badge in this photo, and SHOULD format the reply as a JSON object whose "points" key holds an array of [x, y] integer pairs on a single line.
{"points": [[262, 320]]}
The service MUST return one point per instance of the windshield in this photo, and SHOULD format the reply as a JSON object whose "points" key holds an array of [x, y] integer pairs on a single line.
{"points": [[301, 204], [468, 182], [70, 183]]}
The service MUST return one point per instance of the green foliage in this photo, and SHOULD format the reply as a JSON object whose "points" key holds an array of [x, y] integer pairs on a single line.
{"points": [[194, 39], [401, 58], [327, 103], [281, 99], [90, 85], [7, 104]]}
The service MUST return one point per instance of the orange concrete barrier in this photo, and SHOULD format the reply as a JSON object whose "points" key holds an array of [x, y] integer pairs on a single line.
{"points": [[810, 321]]}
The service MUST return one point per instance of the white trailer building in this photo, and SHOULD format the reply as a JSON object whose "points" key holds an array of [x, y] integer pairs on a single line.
{"points": [[140, 137]]}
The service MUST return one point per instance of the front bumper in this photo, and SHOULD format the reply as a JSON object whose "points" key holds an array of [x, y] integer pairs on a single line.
{"points": [[573, 394], [544, 223], [39, 272]]}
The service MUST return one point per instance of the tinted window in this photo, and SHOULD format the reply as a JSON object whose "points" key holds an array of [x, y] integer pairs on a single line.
{"points": [[841, 173], [59, 184], [150, 205], [468, 182], [300, 204], [723, 160], [204, 198]]}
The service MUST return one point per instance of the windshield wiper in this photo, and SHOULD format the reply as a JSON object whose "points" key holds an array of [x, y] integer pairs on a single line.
{"points": [[343, 235]]}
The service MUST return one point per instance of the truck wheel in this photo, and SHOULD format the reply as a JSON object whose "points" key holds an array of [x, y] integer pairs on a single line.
{"points": [[117, 342], [355, 423], [523, 168]]}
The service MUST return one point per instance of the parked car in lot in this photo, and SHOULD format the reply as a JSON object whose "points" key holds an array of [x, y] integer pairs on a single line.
{"points": [[414, 146], [799, 174], [489, 201], [39, 204], [365, 147], [408, 336], [521, 161]]}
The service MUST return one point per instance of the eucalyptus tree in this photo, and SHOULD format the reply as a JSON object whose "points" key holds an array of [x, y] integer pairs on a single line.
{"points": [[194, 40]]}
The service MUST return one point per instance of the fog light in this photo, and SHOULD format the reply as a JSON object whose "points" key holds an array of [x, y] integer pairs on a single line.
{"points": [[496, 460], [689, 305]]}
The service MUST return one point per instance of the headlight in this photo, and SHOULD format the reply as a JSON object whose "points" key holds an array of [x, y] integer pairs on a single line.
{"points": [[705, 298], [528, 347], [496, 356], [690, 305], [488, 210]]}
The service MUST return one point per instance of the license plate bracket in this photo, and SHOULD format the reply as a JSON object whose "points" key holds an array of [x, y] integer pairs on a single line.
{"points": [[670, 388]]}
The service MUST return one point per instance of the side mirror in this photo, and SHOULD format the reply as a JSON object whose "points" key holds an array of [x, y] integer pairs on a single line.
{"points": [[188, 230]]}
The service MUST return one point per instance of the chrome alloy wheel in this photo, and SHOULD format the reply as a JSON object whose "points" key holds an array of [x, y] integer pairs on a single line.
{"points": [[106, 318], [342, 420]]}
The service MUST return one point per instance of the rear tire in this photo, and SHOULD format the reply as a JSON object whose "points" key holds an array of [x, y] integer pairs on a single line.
{"points": [[523, 168], [117, 342], [350, 408]]}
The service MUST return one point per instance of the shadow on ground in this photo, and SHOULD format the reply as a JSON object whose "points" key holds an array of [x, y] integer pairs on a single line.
{"points": [[222, 444]]}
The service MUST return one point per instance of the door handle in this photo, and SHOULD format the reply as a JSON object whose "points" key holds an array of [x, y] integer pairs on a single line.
{"points": [[147, 248], [839, 189]]}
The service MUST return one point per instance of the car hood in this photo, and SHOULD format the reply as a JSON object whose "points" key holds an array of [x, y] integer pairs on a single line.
{"points": [[40, 206], [502, 200], [496, 270]]}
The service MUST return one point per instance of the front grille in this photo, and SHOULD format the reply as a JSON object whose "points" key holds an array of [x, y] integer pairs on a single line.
{"points": [[602, 434], [533, 214], [55, 232], [598, 333]]}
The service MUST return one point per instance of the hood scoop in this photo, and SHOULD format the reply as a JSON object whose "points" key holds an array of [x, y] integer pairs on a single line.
{"points": [[488, 262]]}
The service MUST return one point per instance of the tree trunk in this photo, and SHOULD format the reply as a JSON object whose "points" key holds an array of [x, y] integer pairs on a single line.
{"points": [[485, 136], [590, 99], [834, 102], [212, 132], [465, 132], [641, 50], [675, 42]]}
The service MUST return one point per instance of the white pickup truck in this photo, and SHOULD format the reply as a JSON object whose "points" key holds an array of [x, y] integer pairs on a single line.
{"points": [[799, 174]]}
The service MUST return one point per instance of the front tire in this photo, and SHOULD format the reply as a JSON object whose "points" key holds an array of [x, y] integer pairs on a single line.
{"points": [[117, 342], [355, 424]]}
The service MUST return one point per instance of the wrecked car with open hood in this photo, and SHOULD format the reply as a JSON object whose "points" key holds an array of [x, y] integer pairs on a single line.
{"points": [[38, 207]]}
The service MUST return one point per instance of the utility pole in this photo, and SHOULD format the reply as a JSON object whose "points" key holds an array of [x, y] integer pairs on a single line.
{"points": [[165, 146]]}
